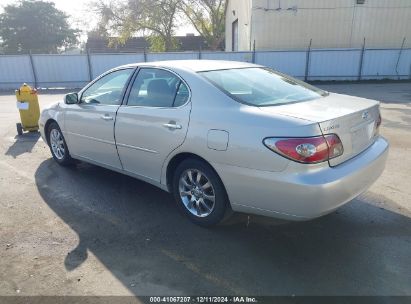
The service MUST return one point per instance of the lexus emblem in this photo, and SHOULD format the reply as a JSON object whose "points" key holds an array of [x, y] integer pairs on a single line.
{"points": [[365, 115]]}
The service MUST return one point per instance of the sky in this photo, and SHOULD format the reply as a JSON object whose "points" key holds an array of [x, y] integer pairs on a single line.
{"points": [[82, 18]]}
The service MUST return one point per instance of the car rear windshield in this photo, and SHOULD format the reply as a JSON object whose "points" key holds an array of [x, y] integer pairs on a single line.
{"points": [[262, 87]]}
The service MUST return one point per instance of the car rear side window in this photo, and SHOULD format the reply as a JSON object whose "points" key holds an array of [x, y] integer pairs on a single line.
{"points": [[157, 88], [182, 95], [261, 86]]}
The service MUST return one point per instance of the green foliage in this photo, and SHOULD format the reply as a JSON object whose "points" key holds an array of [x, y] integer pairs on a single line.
{"points": [[158, 44], [156, 19], [208, 18], [153, 18], [35, 26]]}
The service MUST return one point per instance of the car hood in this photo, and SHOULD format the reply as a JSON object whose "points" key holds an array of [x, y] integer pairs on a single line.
{"points": [[323, 109]]}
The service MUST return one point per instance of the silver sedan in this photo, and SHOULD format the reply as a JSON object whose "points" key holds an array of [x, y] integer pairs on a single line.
{"points": [[223, 136]]}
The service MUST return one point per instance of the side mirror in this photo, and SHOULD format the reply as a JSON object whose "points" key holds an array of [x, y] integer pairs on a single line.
{"points": [[71, 98]]}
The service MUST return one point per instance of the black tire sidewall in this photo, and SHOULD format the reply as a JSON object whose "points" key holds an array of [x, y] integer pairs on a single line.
{"points": [[19, 129], [221, 200], [67, 160]]}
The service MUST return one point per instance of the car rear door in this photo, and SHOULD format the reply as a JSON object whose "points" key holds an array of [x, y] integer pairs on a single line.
{"points": [[153, 122], [89, 125]]}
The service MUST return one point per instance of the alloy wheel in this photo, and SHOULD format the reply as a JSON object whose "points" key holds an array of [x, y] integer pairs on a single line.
{"points": [[57, 144], [197, 192]]}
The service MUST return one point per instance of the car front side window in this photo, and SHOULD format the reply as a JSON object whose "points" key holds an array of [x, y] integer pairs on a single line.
{"points": [[157, 88], [108, 89]]}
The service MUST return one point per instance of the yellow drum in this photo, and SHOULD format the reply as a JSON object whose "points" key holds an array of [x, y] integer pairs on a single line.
{"points": [[28, 105]]}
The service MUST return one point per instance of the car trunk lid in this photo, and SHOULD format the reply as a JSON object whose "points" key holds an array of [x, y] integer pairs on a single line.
{"points": [[353, 119]]}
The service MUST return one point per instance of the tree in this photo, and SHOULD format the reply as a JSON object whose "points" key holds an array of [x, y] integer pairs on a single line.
{"points": [[157, 20], [208, 18], [153, 18], [35, 26]]}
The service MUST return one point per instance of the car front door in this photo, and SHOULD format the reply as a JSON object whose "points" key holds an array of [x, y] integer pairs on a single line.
{"points": [[89, 125], [153, 123]]}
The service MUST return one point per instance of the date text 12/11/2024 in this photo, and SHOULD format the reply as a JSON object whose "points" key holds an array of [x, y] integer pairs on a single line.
{"points": [[203, 299]]}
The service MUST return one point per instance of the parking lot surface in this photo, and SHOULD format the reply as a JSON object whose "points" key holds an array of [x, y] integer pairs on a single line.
{"points": [[89, 231]]}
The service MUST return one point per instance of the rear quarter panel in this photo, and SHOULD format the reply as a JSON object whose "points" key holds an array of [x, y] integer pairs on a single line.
{"points": [[246, 126]]}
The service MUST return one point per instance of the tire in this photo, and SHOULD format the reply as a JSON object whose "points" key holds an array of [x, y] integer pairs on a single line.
{"points": [[19, 128], [58, 145], [205, 202]]}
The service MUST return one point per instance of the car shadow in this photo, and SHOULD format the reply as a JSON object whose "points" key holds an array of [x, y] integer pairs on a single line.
{"points": [[135, 230], [23, 144]]}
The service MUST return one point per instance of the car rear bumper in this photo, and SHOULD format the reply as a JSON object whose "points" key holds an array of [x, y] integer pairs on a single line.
{"points": [[303, 192]]}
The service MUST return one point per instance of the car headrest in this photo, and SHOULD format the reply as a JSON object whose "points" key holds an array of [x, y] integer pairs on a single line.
{"points": [[158, 87]]}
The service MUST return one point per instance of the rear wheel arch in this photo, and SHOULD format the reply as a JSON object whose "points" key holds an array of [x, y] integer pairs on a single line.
{"points": [[178, 159], [221, 209]]}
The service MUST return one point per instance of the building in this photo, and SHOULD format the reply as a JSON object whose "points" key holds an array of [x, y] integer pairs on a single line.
{"points": [[291, 24], [139, 44]]}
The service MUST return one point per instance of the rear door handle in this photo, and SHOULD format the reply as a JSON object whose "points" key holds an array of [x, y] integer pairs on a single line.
{"points": [[106, 117], [172, 126]]}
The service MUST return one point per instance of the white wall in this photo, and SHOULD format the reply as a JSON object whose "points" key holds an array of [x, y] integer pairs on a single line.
{"points": [[290, 24], [241, 10]]}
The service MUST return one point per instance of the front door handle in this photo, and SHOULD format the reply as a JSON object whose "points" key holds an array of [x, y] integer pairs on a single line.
{"points": [[106, 117], [172, 126]]}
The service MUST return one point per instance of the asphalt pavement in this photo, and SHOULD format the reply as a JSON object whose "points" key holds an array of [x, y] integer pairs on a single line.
{"points": [[88, 231]]}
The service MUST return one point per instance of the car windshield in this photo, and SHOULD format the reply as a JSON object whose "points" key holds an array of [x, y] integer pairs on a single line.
{"points": [[262, 86]]}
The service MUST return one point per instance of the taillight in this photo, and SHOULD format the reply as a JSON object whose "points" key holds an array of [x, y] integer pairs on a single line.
{"points": [[308, 149], [335, 146]]}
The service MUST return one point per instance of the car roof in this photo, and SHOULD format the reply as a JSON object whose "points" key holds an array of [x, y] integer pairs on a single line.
{"points": [[195, 65]]}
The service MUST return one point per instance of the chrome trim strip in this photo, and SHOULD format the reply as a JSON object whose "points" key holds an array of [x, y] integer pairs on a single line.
{"points": [[92, 138], [112, 143], [137, 148]]}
